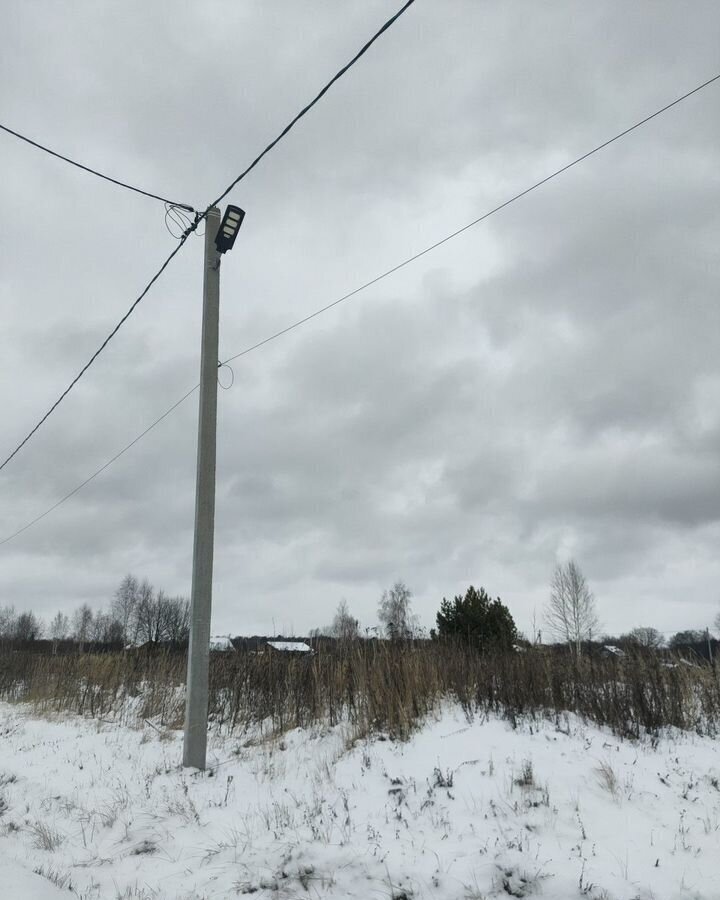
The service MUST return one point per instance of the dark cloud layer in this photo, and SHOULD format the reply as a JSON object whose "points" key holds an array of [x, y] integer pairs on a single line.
{"points": [[545, 385]]}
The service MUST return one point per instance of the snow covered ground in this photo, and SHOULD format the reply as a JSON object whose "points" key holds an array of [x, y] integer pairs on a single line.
{"points": [[460, 811]]}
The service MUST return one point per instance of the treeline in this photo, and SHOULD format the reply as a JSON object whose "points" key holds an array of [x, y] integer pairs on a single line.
{"points": [[149, 617], [138, 615], [691, 641], [653, 639], [570, 618], [474, 618]]}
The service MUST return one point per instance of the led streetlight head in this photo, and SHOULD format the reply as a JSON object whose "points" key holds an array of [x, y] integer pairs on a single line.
{"points": [[229, 227]]}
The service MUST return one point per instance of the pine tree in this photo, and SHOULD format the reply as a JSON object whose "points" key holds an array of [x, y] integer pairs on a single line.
{"points": [[477, 619]]}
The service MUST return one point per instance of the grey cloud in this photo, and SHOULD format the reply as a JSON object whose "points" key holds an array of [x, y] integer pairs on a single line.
{"points": [[542, 385]]}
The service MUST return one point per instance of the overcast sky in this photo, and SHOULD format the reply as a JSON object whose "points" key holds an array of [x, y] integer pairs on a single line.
{"points": [[546, 385]]}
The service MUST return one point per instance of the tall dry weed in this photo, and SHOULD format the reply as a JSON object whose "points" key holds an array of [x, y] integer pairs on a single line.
{"points": [[373, 686]]}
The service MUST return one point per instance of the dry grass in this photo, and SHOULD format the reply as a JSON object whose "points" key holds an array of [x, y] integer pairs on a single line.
{"points": [[373, 687], [607, 778], [526, 778], [44, 837], [58, 877]]}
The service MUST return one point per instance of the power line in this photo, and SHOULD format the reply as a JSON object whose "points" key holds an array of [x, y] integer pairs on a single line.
{"points": [[306, 109], [371, 282], [459, 231], [78, 165], [101, 469], [198, 218], [97, 352]]}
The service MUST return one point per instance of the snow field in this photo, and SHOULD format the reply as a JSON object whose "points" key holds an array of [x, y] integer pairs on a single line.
{"points": [[462, 810]]}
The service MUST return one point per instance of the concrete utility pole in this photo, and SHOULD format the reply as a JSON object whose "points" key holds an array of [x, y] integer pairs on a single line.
{"points": [[195, 742], [219, 238]]}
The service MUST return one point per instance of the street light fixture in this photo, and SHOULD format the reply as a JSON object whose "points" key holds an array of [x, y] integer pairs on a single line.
{"points": [[229, 227]]}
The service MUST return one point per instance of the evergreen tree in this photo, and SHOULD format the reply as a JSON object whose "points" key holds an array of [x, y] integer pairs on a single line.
{"points": [[477, 619]]}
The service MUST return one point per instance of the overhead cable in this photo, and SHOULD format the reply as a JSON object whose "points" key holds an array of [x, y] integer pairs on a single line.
{"points": [[378, 278], [74, 162], [459, 231], [198, 218], [96, 353], [306, 109], [101, 469]]}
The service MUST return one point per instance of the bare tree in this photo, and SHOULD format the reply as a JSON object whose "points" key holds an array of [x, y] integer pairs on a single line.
{"points": [[7, 621], [28, 627], [344, 627], [571, 615], [124, 605], [82, 625], [107, 629], [97, 627], [536, 632], [177, 620], [114, 633], [161, 618], [647, 637], [164, 610], [145, 615], [59, 630], [395, 612]]}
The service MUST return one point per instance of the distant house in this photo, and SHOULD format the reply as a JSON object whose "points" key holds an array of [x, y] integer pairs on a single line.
{"points": [[150, 646], [669, 664], [289, 646], [221, 643], [611, 650], [687, 662]]}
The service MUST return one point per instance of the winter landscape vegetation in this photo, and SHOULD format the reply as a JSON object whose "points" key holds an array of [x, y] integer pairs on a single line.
{"points": [[469, 762], [413, 595]]}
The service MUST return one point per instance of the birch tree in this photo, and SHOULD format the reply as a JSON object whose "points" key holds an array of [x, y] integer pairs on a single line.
{"points": [[571, 615], [59, 630], [7, 621], [344, 627], [395, 612], [125, 604], [82, 625]]}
